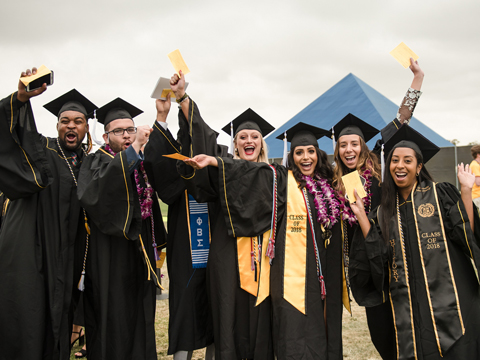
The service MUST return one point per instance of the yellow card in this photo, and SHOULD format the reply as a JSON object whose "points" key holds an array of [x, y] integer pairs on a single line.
{"points": [[176, 156], [178, 63], [165, 93], [41, 71], [402, 53], [352, 181], [160, 261]]}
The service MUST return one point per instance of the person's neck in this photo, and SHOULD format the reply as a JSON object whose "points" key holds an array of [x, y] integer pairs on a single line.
{"points": [[405, 192], [477, 159]]}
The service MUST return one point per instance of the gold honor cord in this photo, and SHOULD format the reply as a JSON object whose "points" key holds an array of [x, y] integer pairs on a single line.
{"points": [[128, 196], [150, 269]]}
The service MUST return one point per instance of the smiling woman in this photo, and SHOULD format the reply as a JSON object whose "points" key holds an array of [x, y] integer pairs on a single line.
{"points": [[422, 232]]}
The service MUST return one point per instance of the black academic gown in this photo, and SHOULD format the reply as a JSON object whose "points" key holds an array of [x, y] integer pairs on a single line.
{"points": [[119, 300], [296, 335], [190, 322], [241, 330], [369, 274], [37, 240]]}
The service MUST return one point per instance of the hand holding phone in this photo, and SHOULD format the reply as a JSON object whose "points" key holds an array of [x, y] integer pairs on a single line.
{"points": [[36, 84]]}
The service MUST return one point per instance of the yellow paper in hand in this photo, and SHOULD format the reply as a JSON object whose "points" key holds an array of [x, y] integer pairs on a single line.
{"points": [[178, 63], [165, 93], [402, 53], [352, 182], [160, 261], [41, 71], [176, 156]]}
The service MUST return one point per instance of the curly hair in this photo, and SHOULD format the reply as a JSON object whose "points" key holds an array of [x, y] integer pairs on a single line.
{"points": [[323, 167], [367, 159]]}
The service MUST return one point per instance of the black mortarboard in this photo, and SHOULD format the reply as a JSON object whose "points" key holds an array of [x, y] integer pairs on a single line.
{"points": [[117, 109], [250, 120], [352, 125], [410, 138], [73, 101], [301, 134]]}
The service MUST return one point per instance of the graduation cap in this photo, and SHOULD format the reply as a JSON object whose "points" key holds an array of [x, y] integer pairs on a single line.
{"points": [[116, 109], [249, 120], [407, 137], [301, 134], [73, 101], [352, 125]]}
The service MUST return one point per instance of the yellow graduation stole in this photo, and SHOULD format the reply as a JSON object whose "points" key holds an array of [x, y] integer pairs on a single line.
{"points": [[254, 266], [295, 267]]}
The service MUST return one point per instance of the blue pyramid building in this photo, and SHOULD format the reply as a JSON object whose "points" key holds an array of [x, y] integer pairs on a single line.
{"points": [[349, 95]]}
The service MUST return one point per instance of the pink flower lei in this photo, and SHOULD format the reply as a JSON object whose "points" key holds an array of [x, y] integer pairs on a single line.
{"points": [[347, 213], [324, 198], [144, 194]]}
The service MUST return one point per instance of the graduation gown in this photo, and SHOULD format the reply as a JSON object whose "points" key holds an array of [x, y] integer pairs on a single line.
{"points": [[37, 239], [372, 274], [241, 329], [190, 322], [317, 334], [119, 298]]}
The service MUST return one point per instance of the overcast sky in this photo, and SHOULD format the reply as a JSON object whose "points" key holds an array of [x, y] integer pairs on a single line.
{"points": [[273, 56]]}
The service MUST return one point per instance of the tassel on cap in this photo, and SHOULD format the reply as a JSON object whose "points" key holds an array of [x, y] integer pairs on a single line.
{"points": [[382, 160], [94, 126], [285, 151], [232, 149]]}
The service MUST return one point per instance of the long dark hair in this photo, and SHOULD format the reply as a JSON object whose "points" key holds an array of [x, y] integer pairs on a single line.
{"points": [[323, 167], [389, 192]]}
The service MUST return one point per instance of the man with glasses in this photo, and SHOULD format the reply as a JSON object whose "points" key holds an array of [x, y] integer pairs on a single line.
{"points": [[127, 234]]}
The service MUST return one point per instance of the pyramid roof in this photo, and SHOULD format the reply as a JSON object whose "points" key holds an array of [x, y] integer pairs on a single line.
{"points": [[349, 95]]}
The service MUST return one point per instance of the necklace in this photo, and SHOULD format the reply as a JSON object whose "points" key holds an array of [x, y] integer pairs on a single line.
{"points": [[81, 283], [347, 213], [145, 199], [328, 207]]}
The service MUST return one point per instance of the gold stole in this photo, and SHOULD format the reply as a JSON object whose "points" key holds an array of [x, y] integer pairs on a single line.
{"points": [[295, 246], [256, 284]]}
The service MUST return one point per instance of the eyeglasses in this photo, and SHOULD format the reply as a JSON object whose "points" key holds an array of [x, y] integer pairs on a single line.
{"points": [[120, 132]]}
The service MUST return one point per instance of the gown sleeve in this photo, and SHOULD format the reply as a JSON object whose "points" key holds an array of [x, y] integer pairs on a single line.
{"points": [[108, 195], [24, 169], [162, 171], [246, 195], [368, 265], [456, 222], [196, 137]]}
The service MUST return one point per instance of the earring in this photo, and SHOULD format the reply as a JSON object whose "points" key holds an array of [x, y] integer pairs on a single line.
{"points": [[417, 174]]}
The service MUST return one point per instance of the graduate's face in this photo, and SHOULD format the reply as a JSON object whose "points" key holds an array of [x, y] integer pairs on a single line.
{"points": [[404, 168], [119, 142], [249, 144], [305, 158], [72, 127], [349, 149]]}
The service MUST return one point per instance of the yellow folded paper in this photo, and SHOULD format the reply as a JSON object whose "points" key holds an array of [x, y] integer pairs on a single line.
{"points": [[160, 261], [176, 156], [402, 53], [352, 182], [178, 63], [41, 71]]}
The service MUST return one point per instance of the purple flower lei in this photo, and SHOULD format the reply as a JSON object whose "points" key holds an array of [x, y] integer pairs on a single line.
{"points": [[347, 213], [144, 194], [323, 192]]}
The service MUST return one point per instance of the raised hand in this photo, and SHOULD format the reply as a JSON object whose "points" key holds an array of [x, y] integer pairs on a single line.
{"points": [[466, 178], [163, 107], [143, 133], [177, 84], [22, 93]]}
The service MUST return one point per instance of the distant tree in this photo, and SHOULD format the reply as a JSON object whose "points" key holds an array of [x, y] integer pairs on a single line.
{"points": [[454, 141], [473, 143]]}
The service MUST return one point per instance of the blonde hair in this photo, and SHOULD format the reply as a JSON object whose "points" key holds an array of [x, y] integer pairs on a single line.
{"points": [[367, 159], [262, 157]]}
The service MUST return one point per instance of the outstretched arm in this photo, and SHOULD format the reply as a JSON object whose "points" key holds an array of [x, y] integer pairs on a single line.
{"points": [[177, 83], [410, 100], [358, 209]]}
